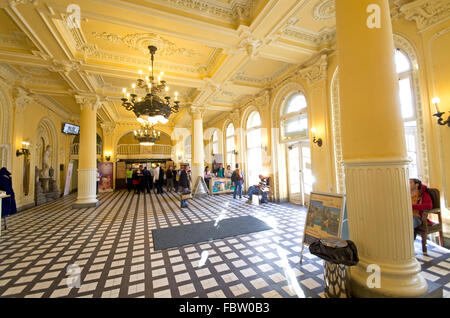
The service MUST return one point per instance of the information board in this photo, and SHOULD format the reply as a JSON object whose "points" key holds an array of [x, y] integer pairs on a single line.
{"points": [[325, 217]]}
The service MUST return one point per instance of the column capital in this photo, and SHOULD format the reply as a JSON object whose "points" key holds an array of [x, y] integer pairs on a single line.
{"points": [[316, 72], [108, 128], [263, 100], [88, 101], [21, 99], [197, 111], [426, 14]]}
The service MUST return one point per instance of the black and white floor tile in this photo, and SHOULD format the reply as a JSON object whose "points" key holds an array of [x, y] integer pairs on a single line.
{"points": [[112, 247]]}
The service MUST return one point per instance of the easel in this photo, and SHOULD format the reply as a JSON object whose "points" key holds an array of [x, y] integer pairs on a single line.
{"points": [[343, 222], [200, 188]]}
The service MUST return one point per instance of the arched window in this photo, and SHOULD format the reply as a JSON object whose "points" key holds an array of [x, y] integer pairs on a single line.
{"points": [[294, 117], [405, 73], [231, 147], [254, 147], [215, 143], [187, 149]]}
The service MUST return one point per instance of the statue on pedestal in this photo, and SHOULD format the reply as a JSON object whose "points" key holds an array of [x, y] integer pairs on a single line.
{"points": [[46, 163]]}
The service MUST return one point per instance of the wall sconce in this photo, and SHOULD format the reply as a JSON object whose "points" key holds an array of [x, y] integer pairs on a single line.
{"points": [[235, 153], [318, 141], [179, 155], [439, 114], [108, 155], [24, 150]]}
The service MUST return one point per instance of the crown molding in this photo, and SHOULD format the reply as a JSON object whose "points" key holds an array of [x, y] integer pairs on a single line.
{"points": [[426, 13]]}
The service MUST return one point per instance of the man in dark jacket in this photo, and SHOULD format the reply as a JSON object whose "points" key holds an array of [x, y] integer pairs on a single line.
{"points": [[147, 178], [8, 204], [184, 183]]}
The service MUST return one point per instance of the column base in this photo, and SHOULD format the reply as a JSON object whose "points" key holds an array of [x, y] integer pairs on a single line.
{"points": [[380, 224], [394, 283], [85, 205], [87, 187]]}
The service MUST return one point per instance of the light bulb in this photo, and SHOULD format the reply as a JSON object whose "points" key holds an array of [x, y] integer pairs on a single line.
{"points": [[150, 68], [313, 130], [167, 88], [133, 85], [436, 100]]}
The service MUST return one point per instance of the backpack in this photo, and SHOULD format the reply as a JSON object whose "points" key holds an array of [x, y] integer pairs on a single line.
{"points": [[233, 177]]}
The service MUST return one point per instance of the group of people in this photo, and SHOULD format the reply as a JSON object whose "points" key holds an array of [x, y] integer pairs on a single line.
{"points": [[219, 172], [144, 179]]}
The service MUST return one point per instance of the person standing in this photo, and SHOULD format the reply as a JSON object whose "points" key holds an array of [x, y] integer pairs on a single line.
{"points": [[136, 182], [152, 175], [238, 180], [147, 178], [207, 176], [98, 181], [221, 171], [169, 178], [8, 204], [162, 177], [176, 178], [129, 179], [185, 184]]}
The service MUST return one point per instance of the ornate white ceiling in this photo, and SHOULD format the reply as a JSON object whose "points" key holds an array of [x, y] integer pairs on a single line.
{"points": [[216, 53]]}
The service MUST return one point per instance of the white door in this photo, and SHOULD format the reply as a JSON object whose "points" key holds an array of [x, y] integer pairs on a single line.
{"points": [[295, 191], [300, 173], [306, 176]]}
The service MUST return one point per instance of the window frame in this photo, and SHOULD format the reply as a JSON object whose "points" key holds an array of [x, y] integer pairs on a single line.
{"points": [[284, 117]]}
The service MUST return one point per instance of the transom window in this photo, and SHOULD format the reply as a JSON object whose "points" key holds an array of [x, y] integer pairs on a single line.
{"points": [[187, 149], [254, 147], [230, 146], [294, 117], [408, 107], [215, 143]]}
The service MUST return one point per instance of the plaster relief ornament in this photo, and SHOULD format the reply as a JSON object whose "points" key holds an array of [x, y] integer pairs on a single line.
{"points": [[325, 10], [141, 42]]}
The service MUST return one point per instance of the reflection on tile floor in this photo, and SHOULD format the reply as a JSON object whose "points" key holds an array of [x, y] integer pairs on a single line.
{"points": [[112, 248]]}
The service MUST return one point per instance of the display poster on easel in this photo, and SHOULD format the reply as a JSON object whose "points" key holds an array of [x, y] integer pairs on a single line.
{"points": [[200, 188], [326, 217], [68, 178]]}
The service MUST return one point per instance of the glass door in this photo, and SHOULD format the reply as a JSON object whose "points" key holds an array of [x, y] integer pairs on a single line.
{"points": [[295, 191], [306, 177]]}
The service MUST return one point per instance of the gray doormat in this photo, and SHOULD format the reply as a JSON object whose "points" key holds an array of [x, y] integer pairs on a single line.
{"points": [[205, 232]]}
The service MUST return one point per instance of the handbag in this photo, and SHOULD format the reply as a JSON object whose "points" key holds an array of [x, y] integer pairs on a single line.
{"points": [[186, 195], [347, 255]]}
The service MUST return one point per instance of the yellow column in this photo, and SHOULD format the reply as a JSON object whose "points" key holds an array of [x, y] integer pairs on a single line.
{"points": [[374, 151], [87, 162], [198, 154]]}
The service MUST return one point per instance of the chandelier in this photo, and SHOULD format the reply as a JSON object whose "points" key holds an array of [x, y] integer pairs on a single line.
{"points": [[153, 107], [147, 134]]}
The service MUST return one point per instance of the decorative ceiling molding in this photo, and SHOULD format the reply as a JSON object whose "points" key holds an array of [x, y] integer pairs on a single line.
{"points": [[13, 3], [141, 42], [248, 44], [237, 12], [34, 71], [241, 77], [316, 72], [426, 13], [64, 66], [22, 98], [326, 37], [15, 40], [207, 69], [325, 10]]}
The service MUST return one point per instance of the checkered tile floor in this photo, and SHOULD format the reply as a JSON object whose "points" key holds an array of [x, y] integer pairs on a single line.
{"points": [[113, 248]]}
